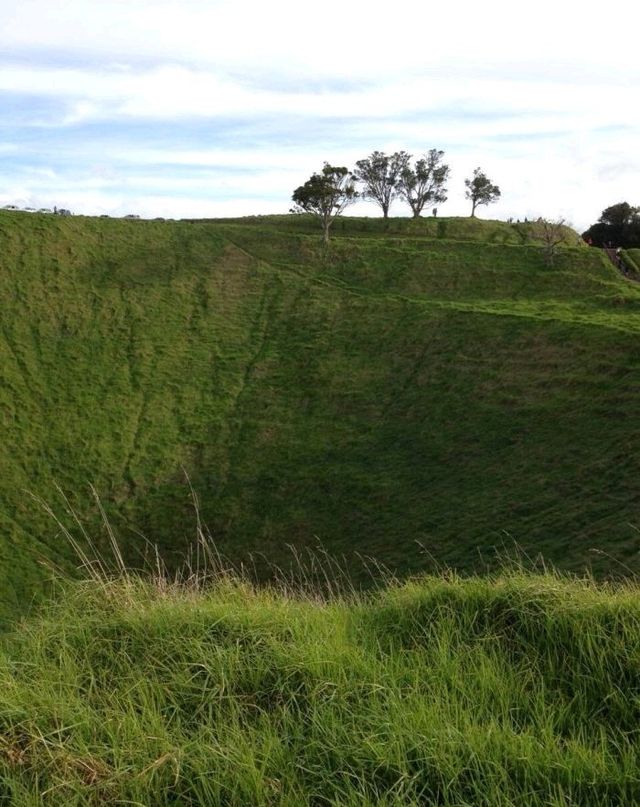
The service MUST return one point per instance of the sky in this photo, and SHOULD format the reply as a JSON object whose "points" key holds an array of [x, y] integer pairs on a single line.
{"points": [[218, 108]]}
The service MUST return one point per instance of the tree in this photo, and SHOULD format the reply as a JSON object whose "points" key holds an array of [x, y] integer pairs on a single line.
{"points": [[481, 190], [619, 215], [618, 225], [423, 185], [326, 195], [552, 233], [380, 175]]}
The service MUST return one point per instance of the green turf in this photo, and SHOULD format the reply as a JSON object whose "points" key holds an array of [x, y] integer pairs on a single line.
{"points": [[420, 390], [515, 691], [459, 229], [632, 258]]}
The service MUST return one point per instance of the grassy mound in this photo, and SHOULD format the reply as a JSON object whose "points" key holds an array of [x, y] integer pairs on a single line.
{"points": [[516, 690], [632, 258], [408, 387], [450, 228]]}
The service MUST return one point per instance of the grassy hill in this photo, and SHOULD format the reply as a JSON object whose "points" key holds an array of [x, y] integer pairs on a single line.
{"points": [[513, 691], [421, 389], [632, 258], [459, 229]]}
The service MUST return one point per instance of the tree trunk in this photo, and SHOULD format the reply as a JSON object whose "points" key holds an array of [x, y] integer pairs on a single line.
{"points": [[325, 231], [385, 211], [473, 209]]}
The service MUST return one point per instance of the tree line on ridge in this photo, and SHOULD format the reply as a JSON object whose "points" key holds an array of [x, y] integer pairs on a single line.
{"points": [[382, 178], [618, 226]]}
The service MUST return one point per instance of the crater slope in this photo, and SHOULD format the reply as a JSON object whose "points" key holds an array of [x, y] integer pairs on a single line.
{"points": [[419, 391]]}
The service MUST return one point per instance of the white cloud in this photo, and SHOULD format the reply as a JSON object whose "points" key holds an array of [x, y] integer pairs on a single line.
{"points": [[355, 38], [532, 94], [173, 92]]}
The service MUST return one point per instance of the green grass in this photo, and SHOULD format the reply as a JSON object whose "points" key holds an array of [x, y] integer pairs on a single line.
{"points": [[421, 389], [516, 690], [459, 229], [632, 257]]}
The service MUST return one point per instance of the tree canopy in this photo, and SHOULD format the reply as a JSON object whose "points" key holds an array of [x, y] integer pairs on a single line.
{"points": [[618, 225], [380, 176], [480, 190], [326, 195], [424, 184]]}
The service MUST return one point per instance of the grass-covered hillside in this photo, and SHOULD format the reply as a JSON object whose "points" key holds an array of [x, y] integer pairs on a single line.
{"points": [[632, 259], [513, 691], [421, 389], [459, 229]]}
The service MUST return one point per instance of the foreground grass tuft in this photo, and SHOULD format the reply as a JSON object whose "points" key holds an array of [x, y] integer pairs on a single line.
{"points": [[521, 689]]}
